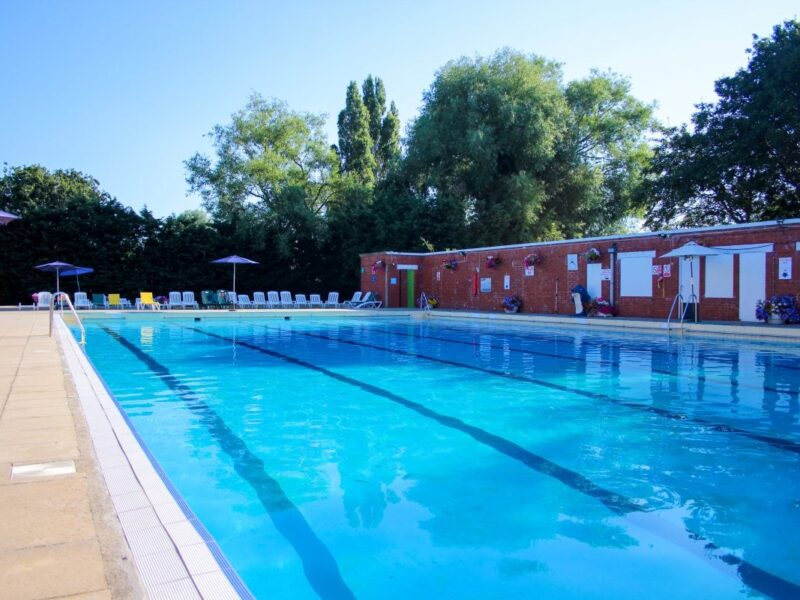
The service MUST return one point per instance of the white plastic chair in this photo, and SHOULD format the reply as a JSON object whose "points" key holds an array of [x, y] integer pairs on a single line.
{"points": [[286, 300], [82, 301], [44, 301], [259, 300], [273, 301], [300, 301], [232, 299], [315, 300], [188, 300], [333, 300], [244, 301], [353, 301], [369, 300], [175, 300]]}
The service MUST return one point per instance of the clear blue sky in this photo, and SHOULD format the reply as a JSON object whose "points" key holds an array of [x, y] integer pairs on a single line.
{"points": [[126, 90]]}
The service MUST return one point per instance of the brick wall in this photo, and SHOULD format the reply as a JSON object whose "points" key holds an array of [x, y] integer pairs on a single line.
{"points": [[548, 290]]}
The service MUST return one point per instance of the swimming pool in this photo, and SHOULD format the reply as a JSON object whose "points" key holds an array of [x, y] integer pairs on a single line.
{"points": [[391, 457]]}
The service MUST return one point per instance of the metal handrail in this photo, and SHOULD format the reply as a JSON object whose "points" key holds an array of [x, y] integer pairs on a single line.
{"points": [[423, 302], [679, 301], [74, 313]]}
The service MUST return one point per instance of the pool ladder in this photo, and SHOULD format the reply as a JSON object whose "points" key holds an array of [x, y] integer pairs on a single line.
{"points": [[423, 302], [63, 296]]}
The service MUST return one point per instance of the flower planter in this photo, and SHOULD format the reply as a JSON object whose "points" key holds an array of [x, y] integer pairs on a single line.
{"points": [[775, 320], [511, 311]]}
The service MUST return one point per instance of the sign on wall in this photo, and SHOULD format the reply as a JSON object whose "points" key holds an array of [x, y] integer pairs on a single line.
{"points": [[393, 281], [506, 282], [785, 267], [486, 284], [605, 274], [438, 275], [373, 278], [657, 269], [572, 262], [529, 271], [666, 272]]}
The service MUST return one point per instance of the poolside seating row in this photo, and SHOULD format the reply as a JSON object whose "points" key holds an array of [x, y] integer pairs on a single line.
{"points": [[216, 299]]}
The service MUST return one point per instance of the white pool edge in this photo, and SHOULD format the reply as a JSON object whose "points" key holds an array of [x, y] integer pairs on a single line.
{"points": [[173, 553]]}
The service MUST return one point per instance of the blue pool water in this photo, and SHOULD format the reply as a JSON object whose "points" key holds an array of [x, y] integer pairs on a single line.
{"points": [[391, 457]]}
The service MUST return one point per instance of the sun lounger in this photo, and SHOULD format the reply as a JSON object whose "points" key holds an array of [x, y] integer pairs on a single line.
{"points": [[333, 300], [286, 300], [300, 301], [369, 300], [82, 301], [209, 299], [175, 300], [273, 301], [315, 300], [188, 301], [146, 300], [243, 301], [99, 301], [45, 298], [353, 301], [259, 301]]}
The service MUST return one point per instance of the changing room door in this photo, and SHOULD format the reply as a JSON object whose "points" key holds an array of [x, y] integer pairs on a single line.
{"points": [[410, 289], [752, 283], [593, 283]]}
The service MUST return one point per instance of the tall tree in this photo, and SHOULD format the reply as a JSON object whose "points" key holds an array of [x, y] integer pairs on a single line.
{"points": [[741, 160], [504, 151], [355, 140]]}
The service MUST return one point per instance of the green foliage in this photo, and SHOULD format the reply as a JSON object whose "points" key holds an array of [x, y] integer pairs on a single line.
{"points": [[355, 141], [503, 152], [740, 161]]}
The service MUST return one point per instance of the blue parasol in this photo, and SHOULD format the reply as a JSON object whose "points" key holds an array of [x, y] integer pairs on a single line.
{"points": [[78, 271], [56, 266], [234, 260]]}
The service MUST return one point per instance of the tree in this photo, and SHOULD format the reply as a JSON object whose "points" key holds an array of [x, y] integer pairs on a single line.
{"points": [[503, 152], [369, 135], [355, 141], [740, 162]]}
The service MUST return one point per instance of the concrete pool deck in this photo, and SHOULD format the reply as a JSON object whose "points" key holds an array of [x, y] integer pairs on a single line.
{"points": [[59, 537]]}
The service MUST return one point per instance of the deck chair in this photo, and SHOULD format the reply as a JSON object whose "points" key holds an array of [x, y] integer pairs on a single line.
{"points": [[259, 301], [114, 301], [146, 300], [286, 300], [369, 300], [188, 301], [175, 300], [44, 301], [99, 301], [333, 300], [125, 303], [273, 301], [300, 301], [82, 301], [209, 299], [223, 299], [315, 300], [353, 301], [243, 301], [231, 298]]}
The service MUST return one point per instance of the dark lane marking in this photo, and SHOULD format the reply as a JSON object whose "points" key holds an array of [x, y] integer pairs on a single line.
{"points": [[617, 503], [762, 581], [578, 359], [780, 443], [769, 355], [319, 564]]}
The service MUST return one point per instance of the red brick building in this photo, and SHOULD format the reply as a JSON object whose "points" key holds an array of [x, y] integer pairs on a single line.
{"points": [[756, 260]]}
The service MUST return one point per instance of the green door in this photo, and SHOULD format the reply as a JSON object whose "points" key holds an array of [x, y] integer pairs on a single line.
{"points": [[410, 289]]}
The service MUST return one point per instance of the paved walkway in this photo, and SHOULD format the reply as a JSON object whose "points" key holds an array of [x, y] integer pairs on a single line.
{"points": [[59, 537]]}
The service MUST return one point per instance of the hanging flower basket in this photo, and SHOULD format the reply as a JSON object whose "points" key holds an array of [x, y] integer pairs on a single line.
{"points": [[593, 255], [493, 262], [533, 259], [378, 264], [450, 264]]}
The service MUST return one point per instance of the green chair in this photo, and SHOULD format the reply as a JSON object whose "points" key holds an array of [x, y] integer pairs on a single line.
{"points": [[99, 301]]}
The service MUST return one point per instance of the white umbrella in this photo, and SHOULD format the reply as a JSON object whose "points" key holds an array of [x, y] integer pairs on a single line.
{"points": [[689, 251]]}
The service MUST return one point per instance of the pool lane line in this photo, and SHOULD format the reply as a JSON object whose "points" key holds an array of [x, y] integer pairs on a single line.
{"points": [[754, 577], [616, 503], [319, 565], [770, 356], [779, 443], [573, 358]]}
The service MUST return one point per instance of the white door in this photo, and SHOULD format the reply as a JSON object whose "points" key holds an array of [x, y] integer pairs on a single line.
{"points": [[752, 283], [593, 285], [689, 278]]}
